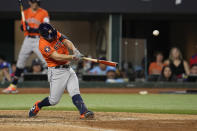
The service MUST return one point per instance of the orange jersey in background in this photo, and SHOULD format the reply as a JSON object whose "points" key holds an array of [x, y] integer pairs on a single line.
{"points": [[46, 48], [155, 66], [34, 19]]}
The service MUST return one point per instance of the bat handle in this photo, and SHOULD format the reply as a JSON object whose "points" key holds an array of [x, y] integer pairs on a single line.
{"points": [[22, 15]]}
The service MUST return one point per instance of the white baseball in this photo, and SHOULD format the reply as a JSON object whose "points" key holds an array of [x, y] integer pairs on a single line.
{"points": [[155, 32]]}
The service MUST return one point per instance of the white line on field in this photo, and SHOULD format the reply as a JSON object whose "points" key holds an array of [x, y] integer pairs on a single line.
{"points": [[91, 128]]}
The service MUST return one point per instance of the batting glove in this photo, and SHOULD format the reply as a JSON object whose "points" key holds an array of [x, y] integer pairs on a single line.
{"points": [[78, 57], [27, 26], [76, 52]]}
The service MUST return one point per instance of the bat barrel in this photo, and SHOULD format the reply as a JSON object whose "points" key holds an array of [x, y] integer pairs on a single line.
{"points": [[109, 63]]}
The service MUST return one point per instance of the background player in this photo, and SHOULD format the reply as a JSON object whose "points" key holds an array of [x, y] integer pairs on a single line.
{"points": [[34, 17], [54, 48]]}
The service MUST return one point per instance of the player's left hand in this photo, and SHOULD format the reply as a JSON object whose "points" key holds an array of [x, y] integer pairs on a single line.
{"points": [[76, 52], [78, 57]]}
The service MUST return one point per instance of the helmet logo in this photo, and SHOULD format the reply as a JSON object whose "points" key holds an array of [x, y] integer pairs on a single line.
{"points": [[50, 31]]}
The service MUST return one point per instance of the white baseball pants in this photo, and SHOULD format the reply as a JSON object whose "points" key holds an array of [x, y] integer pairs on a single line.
{"points": [[61, 79], [29, 46]]}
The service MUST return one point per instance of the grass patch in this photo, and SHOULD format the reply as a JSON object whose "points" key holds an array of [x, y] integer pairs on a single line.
{"points": [[160, 103]]}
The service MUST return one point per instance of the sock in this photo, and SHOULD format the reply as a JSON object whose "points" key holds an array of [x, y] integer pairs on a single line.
{"points": [[44, 102], [17, 75], [78, 102], [15, 81]]}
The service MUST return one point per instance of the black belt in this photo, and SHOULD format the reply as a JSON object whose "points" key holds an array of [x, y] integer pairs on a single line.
{"points": [[62, 66], [33, 36]]}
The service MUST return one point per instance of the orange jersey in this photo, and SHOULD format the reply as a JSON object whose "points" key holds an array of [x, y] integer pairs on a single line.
{"points": [[155, 66], [34, 19], [46, 48]]}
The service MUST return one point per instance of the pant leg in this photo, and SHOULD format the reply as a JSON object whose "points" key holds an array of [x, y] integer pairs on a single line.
{"points": [[73, 84], [58, 80], [73, 90], [37, 51], [24, 53]]}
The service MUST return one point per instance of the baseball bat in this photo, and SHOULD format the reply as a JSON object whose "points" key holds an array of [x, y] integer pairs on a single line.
{"points": [[109, 63], [22, 14]]}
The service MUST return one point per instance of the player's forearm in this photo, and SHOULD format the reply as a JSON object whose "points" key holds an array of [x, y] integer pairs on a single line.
{"points": [[70, 45], [61, 57]]}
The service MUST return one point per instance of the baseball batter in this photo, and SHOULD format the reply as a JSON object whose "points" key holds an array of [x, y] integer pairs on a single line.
{"points": [[34, 17], [54, 48]]}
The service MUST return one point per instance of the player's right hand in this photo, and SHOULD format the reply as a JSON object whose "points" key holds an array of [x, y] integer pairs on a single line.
{"points": [[27, 26]]}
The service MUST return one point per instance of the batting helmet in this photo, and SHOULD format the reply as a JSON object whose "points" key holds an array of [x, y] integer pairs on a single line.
{"points": [[47, 31]]}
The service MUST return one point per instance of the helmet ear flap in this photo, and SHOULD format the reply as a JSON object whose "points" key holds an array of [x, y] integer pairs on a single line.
{"points": [[55, 32]]}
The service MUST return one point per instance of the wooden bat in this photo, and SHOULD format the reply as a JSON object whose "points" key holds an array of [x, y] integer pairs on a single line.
{"points": [[22, 14], [109, 63]]}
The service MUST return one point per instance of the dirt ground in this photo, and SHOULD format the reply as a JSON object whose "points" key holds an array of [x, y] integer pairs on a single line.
{"points": [[17, 120], [103, 121]]}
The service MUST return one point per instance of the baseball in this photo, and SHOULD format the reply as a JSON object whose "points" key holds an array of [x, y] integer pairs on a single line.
{"points": [[155, 32]]}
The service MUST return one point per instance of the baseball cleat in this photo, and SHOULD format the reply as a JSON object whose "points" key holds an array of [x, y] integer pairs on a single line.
{"points": [[10, 89], [87, 115], [34, 110]]}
